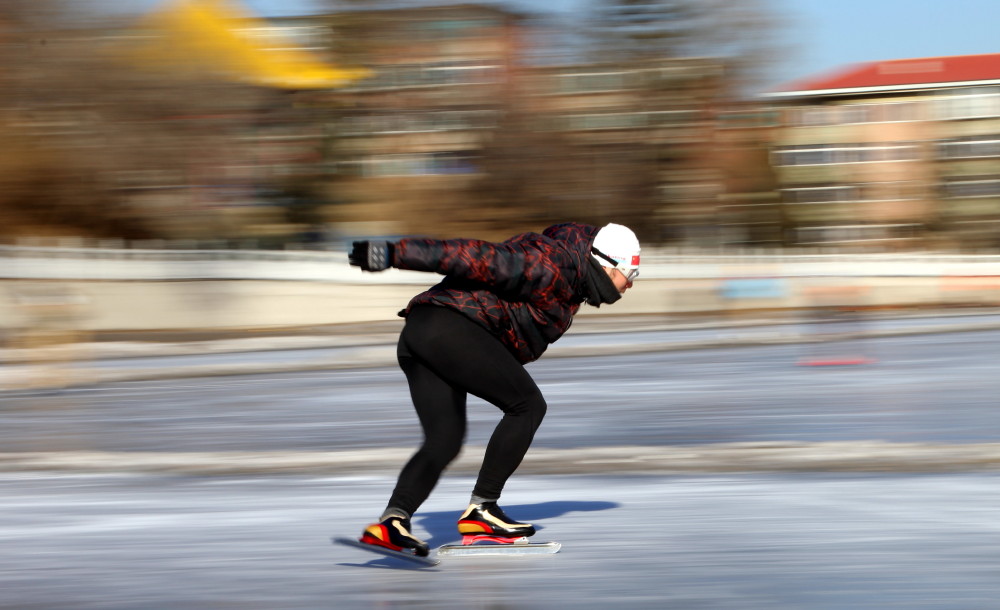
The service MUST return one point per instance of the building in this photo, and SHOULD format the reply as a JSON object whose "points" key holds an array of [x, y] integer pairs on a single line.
{"points": [[642, 134], [749, 208], [459, 126], [406, 143], [900, 154]]}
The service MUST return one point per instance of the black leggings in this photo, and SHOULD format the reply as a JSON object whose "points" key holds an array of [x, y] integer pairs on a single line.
{"points": [[445, 357]]}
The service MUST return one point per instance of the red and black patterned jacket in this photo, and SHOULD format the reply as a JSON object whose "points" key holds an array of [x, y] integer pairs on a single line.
{"points": [[525, 290]]}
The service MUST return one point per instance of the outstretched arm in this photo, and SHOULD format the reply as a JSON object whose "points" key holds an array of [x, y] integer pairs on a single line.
{"points": [[511, 269]]}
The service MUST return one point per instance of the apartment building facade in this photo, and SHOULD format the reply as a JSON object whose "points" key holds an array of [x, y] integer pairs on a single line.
{"points": [[901, 154], [644, 132], [406, 142], [458, 130]]}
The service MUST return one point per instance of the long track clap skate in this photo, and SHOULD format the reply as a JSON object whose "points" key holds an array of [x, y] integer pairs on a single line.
{"points": [[392, 537], [486, 530], [405, 555]]}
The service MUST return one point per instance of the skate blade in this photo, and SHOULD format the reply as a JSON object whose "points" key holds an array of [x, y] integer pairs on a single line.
{"points": [[495, 550], [404, 555]]}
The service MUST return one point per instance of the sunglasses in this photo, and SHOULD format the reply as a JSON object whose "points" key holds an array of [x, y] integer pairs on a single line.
{"points": [[630, 274]]}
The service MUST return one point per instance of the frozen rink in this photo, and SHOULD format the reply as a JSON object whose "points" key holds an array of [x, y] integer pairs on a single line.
{"points": [[744, 541], [129, 536]]}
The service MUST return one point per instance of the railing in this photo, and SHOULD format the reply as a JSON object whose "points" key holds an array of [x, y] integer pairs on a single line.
{"points": [[99, 263]]}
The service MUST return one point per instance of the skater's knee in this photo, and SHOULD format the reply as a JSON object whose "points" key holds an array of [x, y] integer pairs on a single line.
{"points": [[450, 452], [441, 452], [539, 409], [531, 406]]}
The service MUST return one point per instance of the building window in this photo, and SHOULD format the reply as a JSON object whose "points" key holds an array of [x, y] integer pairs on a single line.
{"points": [[899, 112], [419, 164], [818, 116], [970, 147], [831, 154], [417, 122], [591, 82], [431, 75], [847, 234], [867, 192], [747, 119], [822, 194], [450, 28], [987, 186], [625, 120], [973, 103]]}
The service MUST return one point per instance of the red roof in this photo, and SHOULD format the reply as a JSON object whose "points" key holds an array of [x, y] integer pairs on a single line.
{"points": [[900, 74]]}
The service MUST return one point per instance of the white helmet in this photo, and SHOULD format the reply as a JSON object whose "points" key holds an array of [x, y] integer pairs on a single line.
{"points": [[617, 246]]}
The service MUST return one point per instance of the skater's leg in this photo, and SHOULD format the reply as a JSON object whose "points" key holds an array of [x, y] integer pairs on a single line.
{"points": [[524, 407], [466, 356], [441, 411]]}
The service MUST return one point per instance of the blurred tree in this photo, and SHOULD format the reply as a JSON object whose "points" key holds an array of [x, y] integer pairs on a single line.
{"points": [[47, 185], [683, 179], [531, 176], [747, 35], [742, 34], [101, 147], [629, 30], [536, 169]]}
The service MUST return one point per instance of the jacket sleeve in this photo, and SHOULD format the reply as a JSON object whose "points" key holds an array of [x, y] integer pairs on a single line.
{"points": [[514, 269]]}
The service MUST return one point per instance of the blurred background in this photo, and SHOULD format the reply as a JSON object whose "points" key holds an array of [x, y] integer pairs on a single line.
{"points": [[814, 183], [197, 123], [203, 164], [199, 140]]}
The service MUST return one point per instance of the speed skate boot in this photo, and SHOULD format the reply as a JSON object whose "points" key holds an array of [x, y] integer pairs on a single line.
{"points": [[394, 534], [487, 522]]}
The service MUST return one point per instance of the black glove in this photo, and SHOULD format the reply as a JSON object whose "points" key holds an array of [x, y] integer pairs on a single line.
{"points": [[371, 255]]}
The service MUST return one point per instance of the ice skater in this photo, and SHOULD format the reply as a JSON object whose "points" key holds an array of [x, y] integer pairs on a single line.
{"points": [[499, 306]]}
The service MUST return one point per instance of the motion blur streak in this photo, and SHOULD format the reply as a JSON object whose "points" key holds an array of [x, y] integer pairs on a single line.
{"points": [[794, 407]]}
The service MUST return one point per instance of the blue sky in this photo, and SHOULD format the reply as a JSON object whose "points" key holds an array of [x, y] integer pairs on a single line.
{"points": [[827, 34], [821, 35]]}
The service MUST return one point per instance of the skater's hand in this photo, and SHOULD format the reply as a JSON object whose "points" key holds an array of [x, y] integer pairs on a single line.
{"points": [[371, 255]]}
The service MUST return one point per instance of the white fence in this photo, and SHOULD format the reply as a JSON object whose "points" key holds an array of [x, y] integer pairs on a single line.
{"points": [[60, 263], [98, 289]]}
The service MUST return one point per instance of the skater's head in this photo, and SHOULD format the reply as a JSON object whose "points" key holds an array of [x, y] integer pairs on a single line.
{"points": [[616, 248]]}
